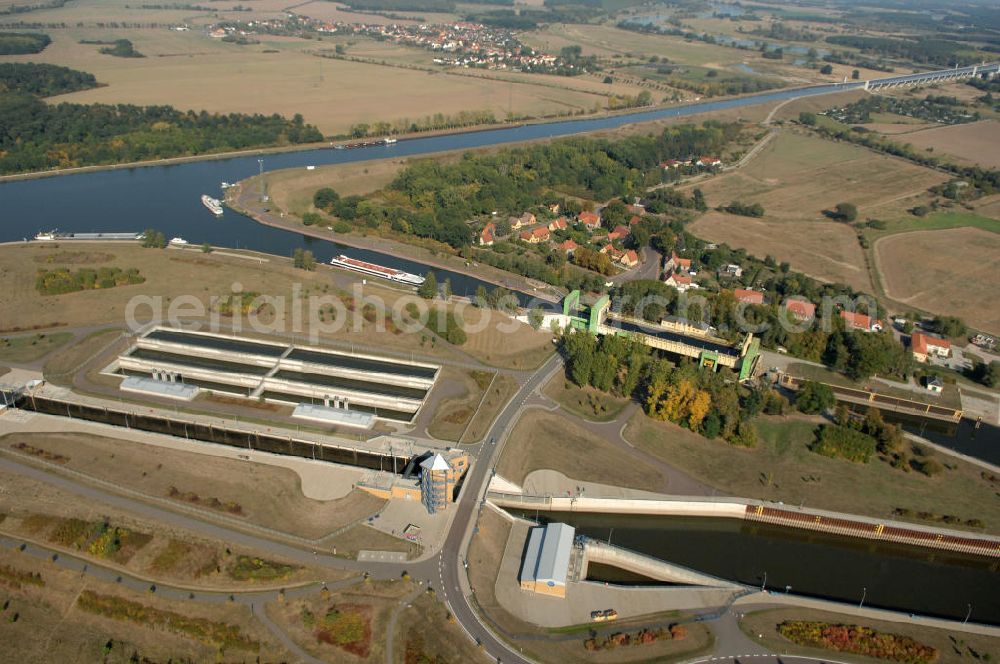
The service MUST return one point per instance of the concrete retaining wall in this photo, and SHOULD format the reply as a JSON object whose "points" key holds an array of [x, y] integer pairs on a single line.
{"points": [[596, 551]]}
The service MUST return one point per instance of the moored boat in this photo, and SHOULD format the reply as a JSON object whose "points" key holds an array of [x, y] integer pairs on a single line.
{"points": [[178, 241], [213, 204], [375, 270]]}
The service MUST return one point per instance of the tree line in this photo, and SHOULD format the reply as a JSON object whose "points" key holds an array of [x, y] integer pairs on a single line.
{"points": [[37, 136], [21, 43], [42, 80]]}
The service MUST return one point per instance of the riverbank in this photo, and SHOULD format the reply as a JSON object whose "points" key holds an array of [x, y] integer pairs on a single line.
{"points": [[241, 199]]}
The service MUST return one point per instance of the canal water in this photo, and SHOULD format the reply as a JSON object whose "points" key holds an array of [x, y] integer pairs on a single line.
{"points": [[168, 198], [911, 579]]}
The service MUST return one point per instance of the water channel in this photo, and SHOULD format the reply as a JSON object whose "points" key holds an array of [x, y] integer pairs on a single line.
{"points": [[916, 580], [168, 197]]}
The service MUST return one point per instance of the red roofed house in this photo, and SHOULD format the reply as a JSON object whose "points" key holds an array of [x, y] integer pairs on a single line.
{"points": [[620, 233], [634, 220], [748, 296], [629, 259], [709, 161], [924, 345], [590, 220], [856, 321], [568, 246], [536, 235], [675, 262], [487, 235], [613, 253], [670, 163], [800, 309], [681, 282], [636, 208], [559, 224]]}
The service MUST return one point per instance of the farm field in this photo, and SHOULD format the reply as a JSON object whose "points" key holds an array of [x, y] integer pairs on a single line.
{"points": [[796, 178], [973, 143], [943, 271], [825, 250]]}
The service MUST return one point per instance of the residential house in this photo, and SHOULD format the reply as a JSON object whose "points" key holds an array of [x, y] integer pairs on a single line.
{"points": [[800, 309], [923, 346], [629, 259], [554, 208], [527, 219], [934, 384], [634, 220], [591, 220], [568, 246], [636, 208], [732, 270], [748, 296], [671, 163], [681, 282], [488, 235], [675, 262], [515, 223], [559, 224], [535, 235], [619, 233], [613, 254], [856, 321], [708, 162]]}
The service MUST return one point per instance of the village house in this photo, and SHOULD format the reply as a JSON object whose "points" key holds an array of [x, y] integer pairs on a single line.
{"points": [[636, 208], [488, 235], [590, 220], [856, 321], [554, 208], [671, 163], [619, 233], [612, 253], [681, 282], [748, 296], [934, 384], [675, 262], [559, 224], [515, 223], [634, 220], [535, 235], [800, 309], [731, 270], [708, 162], [568, 246], [527, 219], [923, 346], [629, 259]]}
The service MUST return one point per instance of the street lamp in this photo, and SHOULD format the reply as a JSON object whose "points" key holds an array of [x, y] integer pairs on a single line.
{"points": [[763, 583], [864, 593], [968, 615]]}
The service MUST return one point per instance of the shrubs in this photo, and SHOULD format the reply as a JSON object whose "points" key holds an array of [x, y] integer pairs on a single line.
{"points": [[843, 442], [347, 626], [447, 325], [63, 280], [745, 209], [859, 640], [814, 397], [206, 631], [643, 637], [247, 568], [15, 578]]}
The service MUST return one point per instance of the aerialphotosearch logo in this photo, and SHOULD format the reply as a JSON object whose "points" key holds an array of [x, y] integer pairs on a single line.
{"points": [[312, 315]]}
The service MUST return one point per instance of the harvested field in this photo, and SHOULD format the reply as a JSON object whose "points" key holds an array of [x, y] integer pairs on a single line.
{"points": [[796, 177], [972, 143], [189, 70], [498, 340], [826, 250], [944, 271]]}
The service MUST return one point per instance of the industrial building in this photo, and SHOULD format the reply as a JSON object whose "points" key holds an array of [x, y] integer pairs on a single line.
{"points": [[433, 479], [328, 386], [545, 567]]}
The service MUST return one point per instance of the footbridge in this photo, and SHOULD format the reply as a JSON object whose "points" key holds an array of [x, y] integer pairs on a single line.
{"points": [[672, 335], [929, 77]]}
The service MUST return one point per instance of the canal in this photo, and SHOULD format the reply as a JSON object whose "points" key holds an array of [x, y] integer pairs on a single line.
{"points": [[168, 197], [911, 579]]}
